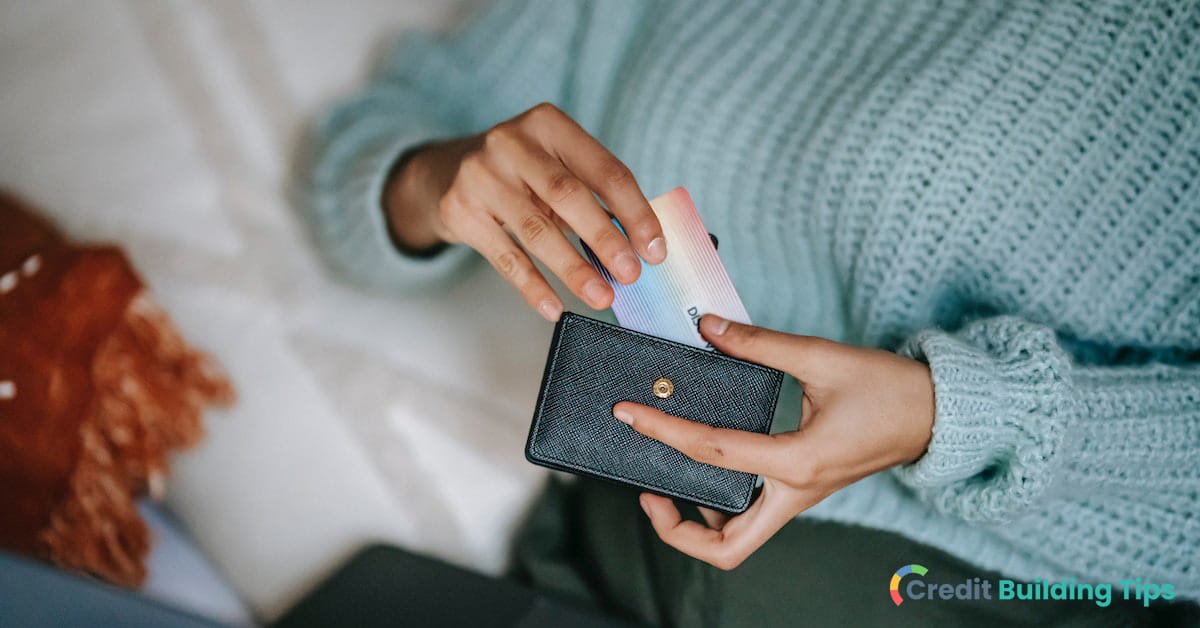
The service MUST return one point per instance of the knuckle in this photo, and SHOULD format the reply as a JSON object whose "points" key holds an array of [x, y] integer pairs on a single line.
{"points": [[499, 137], [608, 237], [452, 208], [749, 335], [563, 185], [508, 264], [614, 172], [577, 273], [533, 228], [608, 242], [543, 110], [472, 167], [727, 560], [705, 448]]}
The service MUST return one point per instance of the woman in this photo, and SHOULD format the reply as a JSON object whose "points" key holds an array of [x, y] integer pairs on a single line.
{"points": [[987, 210]]}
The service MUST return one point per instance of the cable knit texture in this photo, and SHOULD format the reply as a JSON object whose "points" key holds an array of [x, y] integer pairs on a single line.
{"points": [[1006, 191]]}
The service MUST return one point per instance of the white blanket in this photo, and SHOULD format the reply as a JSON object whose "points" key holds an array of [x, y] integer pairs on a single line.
{"points": [[169, 127]]}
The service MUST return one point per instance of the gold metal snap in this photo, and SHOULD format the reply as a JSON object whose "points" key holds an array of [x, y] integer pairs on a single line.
{"points": [[663, 388]]}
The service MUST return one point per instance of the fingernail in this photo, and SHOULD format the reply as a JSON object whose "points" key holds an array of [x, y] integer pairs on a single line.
{"points": [[550, 310], [717, 326], [626, 264], [595, 291], [623, 416], [657, 249]]}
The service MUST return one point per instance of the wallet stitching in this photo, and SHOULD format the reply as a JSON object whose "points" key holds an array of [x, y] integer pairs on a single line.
{"points": [[775, 374], [610, 476]]}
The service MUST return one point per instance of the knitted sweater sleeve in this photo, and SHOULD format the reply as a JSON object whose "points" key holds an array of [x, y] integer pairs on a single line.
{"points": [[430, 87], [1022, 430]]}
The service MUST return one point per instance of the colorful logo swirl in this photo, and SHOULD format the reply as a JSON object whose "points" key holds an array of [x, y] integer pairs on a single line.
{"points": [[900, 573]]}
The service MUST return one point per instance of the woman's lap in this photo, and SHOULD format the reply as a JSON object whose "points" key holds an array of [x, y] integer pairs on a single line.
{"points": [[590, 541]]}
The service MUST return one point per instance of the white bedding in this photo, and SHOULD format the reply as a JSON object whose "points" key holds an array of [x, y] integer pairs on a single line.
{"points": [[169, 127]]}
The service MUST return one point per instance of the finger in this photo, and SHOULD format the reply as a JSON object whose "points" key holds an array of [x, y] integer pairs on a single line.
{"points": [[745, 533], [686, 536], [725, 548], [544, 240], [545, 209], [715, 520], [596, 166], [729, 449], [805, 357], [514, 266], [570, 199]]}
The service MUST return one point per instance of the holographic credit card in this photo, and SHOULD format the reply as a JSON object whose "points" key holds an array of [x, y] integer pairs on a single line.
{"points": [[668, 300]]}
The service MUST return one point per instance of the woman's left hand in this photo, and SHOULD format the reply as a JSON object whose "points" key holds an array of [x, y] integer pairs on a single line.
{"points": [[864, 410]]}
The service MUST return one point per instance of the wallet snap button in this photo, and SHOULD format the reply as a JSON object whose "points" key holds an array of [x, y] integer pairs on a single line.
{"points": [[663, 388]]}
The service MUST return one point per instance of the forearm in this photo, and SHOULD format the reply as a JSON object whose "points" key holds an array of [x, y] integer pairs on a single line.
{"points": [[429, 87], [1136, 433], [1020, 425]]}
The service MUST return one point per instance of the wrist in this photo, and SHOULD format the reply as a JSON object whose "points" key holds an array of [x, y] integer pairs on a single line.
{"points": [[409, 204], [922, 403]]}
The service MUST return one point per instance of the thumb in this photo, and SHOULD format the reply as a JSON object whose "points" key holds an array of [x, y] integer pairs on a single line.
{"points": [[802, 356]]}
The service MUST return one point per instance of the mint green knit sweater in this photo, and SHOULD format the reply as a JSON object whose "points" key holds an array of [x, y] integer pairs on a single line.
{"points": [[1010, 193]]}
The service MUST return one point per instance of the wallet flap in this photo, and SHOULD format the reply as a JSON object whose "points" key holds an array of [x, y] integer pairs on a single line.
{"points": [[593, 365]]}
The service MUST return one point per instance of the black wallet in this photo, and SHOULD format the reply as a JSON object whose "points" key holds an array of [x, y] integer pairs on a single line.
{"points": [[593, 365]]}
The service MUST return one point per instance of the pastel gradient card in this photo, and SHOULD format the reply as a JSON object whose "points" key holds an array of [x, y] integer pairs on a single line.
{"points": [[668, 300]]}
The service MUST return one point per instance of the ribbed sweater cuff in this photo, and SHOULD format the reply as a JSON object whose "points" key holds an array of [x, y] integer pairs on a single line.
{"points": [[1002, 405], [346, 209]]}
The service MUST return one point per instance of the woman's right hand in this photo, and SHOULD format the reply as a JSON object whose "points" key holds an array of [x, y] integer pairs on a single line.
{"points": [[526, 181]]}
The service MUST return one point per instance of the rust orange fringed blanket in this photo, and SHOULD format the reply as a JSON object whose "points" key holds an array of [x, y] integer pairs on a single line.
{"points": [[96, 388]]}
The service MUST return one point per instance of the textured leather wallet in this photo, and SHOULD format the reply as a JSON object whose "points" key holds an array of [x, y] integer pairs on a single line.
{"points": [[593, 365]]}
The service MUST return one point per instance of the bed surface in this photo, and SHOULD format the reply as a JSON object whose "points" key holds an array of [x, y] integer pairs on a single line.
{"points": [[169, 127]]}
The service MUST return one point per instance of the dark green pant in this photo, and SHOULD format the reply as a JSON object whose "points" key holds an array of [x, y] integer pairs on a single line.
{"points": [[589, 541]]}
